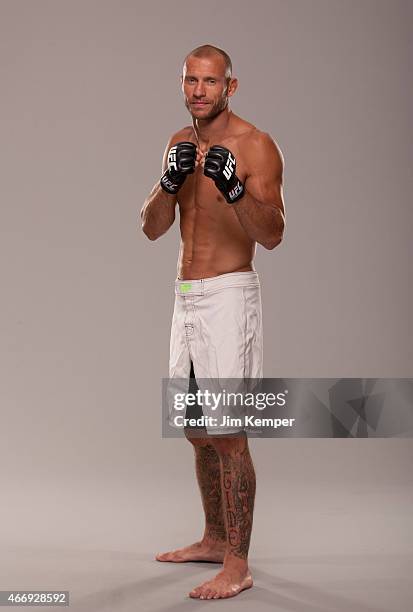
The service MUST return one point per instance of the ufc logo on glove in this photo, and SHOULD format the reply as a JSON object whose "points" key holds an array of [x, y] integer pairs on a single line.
{"points": [[172, 158], [229, 167]]}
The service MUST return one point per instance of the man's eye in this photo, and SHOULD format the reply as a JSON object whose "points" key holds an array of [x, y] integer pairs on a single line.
{"points": [[211, 81]]}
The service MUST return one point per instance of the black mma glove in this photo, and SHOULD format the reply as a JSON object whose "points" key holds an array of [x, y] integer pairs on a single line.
{"points": [[220, 165], [181, 162]]}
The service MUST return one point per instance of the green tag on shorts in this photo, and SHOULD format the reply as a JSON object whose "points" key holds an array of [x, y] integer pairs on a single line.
{"points": [[185, 287]]}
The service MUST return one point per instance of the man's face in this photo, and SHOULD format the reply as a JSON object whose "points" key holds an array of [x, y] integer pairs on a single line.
{"points": [[205, 86]]}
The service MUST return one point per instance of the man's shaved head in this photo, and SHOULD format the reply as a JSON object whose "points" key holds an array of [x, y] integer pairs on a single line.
{"points": [[207, 82], [210, 51]]}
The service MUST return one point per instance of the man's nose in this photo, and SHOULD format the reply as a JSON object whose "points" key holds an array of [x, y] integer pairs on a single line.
{"points": [[199, 89]]}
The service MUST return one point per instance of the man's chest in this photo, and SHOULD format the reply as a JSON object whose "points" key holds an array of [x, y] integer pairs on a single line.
{"points": [[200, 190]]}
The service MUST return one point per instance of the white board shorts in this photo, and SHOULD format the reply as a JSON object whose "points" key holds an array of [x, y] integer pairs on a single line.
{"points": [[217, 324]]}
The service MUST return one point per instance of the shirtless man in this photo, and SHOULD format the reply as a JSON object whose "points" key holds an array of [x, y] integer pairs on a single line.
{"points": [[226, 177]]}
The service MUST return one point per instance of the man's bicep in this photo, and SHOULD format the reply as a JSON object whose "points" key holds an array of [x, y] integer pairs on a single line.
{"points": [[264, 181], [266, 187]]}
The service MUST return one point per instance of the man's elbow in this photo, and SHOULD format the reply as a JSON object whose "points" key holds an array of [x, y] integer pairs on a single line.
{"points": [[277, 232], [148, 233], [272, 242], [145, 226]]}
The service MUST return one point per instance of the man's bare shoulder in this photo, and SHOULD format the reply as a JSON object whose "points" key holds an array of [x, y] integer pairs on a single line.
{"points": [[258, 143], [249, 133], [184, 134], [259, 138], [240, 127]]}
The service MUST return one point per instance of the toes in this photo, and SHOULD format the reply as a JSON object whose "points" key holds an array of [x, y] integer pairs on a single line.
{"points": [[219, 594], [195, 592], [206, 594], [169, 556], [201, 591], [215, 590]]}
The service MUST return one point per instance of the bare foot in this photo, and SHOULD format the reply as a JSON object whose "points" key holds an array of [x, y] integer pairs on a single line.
{"points": [[225, 584], [200, 551]]}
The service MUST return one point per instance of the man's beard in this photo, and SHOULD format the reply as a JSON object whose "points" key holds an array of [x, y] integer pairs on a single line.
{"points": [[215, 110]]}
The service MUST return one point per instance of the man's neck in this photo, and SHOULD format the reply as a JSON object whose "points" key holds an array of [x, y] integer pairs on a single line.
{"points": [[208, 130]]}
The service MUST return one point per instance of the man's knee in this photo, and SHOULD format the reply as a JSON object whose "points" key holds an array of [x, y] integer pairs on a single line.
{"points": [[229, 444], [196, 437]]}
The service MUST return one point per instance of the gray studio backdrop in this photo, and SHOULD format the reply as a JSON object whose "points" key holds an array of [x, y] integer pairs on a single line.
{"points": [[89, 96]]}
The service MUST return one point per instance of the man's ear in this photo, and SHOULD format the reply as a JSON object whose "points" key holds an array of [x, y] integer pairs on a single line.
{"points": [[232, 87]]}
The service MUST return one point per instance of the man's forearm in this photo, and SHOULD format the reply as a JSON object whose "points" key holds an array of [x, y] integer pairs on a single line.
{"points": [[158, 212], [263, 223]]}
